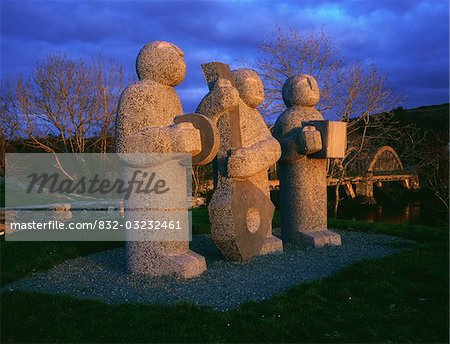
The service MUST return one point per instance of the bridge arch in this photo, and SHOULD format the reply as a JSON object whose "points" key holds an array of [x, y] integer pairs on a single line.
{"points": [[365, 170], [385, 160]]}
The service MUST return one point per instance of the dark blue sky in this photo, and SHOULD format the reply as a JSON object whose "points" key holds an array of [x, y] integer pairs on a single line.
{"points": [[408, 40]]}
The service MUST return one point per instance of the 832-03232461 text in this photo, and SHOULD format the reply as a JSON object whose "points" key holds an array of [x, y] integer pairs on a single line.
{"points": [[151, 225]]}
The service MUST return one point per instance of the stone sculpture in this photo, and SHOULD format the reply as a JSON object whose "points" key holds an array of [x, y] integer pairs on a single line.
{"points": [[145, 123], [240, 210], [307, 141]]}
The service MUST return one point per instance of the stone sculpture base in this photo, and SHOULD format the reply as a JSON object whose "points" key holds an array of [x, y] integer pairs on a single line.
{"points": [[315, 239], [271, 245], [185, 265]]}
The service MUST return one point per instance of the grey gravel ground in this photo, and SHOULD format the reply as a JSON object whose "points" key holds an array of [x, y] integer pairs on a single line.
{"points": [[223, 286]]}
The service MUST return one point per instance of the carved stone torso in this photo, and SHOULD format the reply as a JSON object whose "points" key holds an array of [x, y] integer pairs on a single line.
{"points": [[293, 117], [144, 104]]}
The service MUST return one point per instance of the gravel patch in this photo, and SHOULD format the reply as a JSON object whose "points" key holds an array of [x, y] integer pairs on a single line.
{"points": [[223, 286]]}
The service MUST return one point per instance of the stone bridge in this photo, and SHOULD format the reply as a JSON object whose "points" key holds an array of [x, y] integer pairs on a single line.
{"points": [[363, 171]]}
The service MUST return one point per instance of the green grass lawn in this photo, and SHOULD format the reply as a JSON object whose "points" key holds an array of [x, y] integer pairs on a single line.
{"points": [[401, 298]]}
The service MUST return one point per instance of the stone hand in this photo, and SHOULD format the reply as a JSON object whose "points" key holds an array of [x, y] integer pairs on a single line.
{"points": [[239, 164], [226, 93], [187, 139], [246, 162], [222, 97], [311, 140]]}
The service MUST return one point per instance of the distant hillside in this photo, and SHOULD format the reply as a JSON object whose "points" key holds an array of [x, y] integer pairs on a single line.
{"points": [[434, 117]]}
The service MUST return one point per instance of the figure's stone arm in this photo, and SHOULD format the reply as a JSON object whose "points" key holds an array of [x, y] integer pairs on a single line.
{"points": [[248, 161], [300, 142], [223, 97], [176, 138]]}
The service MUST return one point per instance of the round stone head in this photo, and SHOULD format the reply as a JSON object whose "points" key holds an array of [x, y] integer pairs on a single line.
{"points": [[162, 62], [301, 90], [249, 86]]}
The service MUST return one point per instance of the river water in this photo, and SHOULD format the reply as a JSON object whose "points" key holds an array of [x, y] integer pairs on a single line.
{"points": [[415, 214]]}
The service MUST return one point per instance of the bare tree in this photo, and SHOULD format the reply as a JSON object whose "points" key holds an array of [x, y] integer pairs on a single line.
{"points": [[65, 105], [349, 92], [286, 54], [438, 178], [427, 154]]}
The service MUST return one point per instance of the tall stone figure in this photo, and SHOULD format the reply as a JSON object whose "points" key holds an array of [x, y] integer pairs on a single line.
{"points": [[307, 141], [240, 210], [147, 122]]}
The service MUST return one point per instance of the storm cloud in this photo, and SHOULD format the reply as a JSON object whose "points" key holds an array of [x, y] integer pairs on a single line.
{"points": [[407, 40]]}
